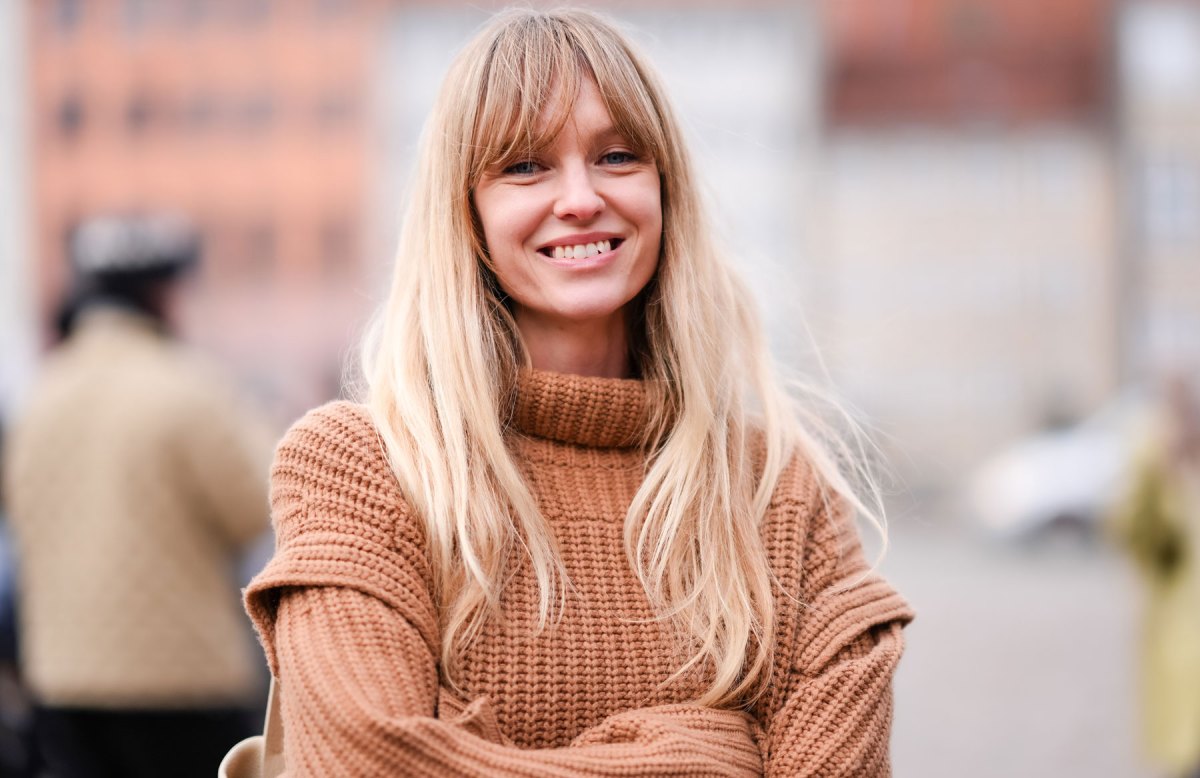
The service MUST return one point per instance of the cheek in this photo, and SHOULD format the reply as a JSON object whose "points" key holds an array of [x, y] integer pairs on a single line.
{"points": [[651, 219], [507, 221], [644, 206], [506, 255], [487, 218], [495, 231]]}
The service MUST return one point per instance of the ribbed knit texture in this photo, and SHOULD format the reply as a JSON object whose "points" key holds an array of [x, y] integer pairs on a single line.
{"points": [[350, 626]]}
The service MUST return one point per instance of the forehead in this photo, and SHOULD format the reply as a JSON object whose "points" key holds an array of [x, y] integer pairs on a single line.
{"points": [[585, 117]]}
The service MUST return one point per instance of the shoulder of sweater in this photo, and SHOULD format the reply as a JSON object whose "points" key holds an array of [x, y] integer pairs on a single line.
{"points": [[336, 441], [338, 429], [797, 493], [331, 472], [806, 520], [799, 482]]}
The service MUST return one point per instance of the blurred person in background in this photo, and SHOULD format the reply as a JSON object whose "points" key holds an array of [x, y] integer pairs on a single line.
{"points": [[1160, 527], [554, 539], [134, 478], [17, 751]]}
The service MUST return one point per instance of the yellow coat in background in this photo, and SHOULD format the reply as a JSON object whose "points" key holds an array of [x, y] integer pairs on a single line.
{"points": [[1160, 527]]}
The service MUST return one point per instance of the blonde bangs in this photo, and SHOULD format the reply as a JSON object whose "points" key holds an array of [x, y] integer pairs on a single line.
{"points": [[531, 79]]}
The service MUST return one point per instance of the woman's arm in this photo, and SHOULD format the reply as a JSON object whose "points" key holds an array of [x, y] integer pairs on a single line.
{"points": [[837, 722], [831, 712], [360, 692]]}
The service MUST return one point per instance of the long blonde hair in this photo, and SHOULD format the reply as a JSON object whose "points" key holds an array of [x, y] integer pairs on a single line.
{"points": [[442, 357]]}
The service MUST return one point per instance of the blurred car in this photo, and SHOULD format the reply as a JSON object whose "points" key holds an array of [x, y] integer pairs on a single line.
{"points": [[1073, 475]]}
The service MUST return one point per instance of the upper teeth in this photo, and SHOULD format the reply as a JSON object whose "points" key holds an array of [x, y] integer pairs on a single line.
{"points": [[582, 250]]}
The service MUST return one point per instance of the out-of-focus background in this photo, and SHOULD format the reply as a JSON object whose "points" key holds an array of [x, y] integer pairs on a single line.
{"points": [[985, 213]]}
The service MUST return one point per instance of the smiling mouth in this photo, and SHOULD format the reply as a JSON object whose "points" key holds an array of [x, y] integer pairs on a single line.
{"points": [[582, 250]]}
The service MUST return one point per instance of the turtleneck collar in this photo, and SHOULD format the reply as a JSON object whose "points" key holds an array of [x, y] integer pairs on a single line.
{"points": [[581, 410]]}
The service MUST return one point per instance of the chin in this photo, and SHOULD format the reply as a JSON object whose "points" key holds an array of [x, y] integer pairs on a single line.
{"points": [[590, 310]]}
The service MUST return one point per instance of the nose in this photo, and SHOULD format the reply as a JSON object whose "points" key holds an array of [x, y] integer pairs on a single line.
{"points": [[577, 197]]}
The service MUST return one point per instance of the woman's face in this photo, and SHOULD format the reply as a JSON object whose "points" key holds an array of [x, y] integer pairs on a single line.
{"points": [[573, 231]]}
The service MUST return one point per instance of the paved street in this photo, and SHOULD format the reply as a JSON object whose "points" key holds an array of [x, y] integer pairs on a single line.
{"points": [[1021, 662]]}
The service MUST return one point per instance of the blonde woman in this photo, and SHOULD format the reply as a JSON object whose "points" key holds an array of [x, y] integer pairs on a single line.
{"points": [[552, 540]]}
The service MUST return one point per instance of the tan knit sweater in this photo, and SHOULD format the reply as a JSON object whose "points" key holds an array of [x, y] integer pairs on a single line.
{"points": [[350, 626]]}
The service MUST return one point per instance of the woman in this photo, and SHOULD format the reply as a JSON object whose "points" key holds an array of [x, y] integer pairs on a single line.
{"points": [[552, 542]]}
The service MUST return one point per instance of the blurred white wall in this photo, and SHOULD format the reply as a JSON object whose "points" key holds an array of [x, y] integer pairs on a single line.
{"points": [[972, 290], [16, 293], [1158, 47]]}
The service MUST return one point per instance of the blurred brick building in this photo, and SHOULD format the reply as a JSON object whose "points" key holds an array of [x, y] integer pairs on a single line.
{"points": [[971, 253], [249, 116], [967, 61]]}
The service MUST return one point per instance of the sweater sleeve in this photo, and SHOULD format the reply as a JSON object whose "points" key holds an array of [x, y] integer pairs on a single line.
{"points": [[830, 709], [360, 697], [349, 626]]}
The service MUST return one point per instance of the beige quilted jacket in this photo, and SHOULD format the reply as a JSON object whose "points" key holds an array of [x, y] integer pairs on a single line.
{"points": [[134, 479]]}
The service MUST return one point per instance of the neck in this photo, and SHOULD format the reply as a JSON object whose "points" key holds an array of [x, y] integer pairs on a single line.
{"points": [[593, 348]]}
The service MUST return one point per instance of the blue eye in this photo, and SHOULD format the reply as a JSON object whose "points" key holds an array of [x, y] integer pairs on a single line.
{"points": [[525, 167], [618, 158]]}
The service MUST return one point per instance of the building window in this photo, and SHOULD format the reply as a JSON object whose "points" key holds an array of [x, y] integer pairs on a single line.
{"points": [[337, 250], [134, 14], [259, 257], [139, 113], [328, 9], [257, 111], [193, 13], [67, 15], [335, 108], [251, 13], [200, 112], [69, 115], [1170, 201], [220, 250]]}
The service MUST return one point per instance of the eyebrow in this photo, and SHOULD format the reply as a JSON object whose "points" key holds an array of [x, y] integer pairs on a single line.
{"points": [[606, 134], [610, 131]]}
